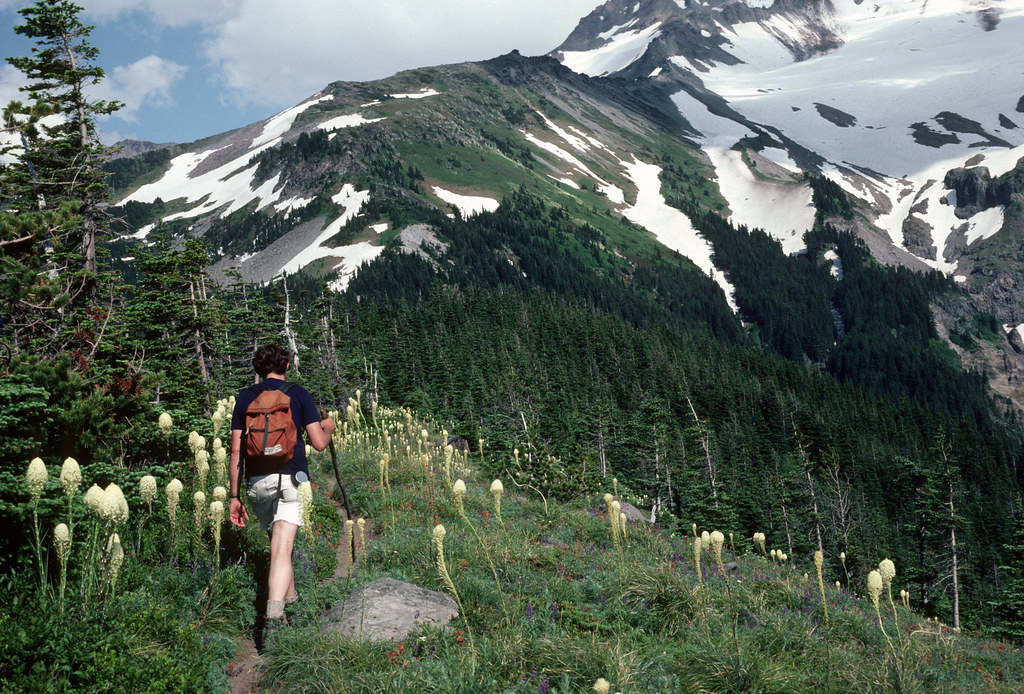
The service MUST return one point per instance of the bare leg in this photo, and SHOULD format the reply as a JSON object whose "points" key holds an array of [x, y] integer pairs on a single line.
{"points": [[281, 581]]}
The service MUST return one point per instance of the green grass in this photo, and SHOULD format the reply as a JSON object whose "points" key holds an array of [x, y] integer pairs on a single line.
{"points": [[551, 600], [563, 607]]}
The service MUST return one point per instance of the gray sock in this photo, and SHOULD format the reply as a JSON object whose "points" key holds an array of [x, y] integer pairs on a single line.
{"points": [[275, 609]]}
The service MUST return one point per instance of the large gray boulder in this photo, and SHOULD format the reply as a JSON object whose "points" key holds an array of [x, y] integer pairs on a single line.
{"points": [[388, 610]]}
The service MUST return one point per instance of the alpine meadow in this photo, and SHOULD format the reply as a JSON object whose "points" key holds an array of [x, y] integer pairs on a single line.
{"points": [[685, 358]]}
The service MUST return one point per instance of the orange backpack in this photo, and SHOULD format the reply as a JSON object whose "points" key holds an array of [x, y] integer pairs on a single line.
{"points": [[270, 433]]}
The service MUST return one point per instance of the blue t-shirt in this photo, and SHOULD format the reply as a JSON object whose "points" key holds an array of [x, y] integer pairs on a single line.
{"points": [[304, 412]]}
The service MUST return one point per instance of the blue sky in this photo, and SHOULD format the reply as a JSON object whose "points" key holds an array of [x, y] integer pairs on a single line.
{"points": [[187, 69]]}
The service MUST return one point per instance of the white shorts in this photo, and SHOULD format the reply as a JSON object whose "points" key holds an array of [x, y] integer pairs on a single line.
{"points": [[272, 502]]}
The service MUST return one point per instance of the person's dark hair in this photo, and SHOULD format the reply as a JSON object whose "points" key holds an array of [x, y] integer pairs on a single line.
{"points": [[269, 358]]}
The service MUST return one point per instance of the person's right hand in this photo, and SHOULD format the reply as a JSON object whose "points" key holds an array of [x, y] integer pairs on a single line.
{"points": [[238, 513]]}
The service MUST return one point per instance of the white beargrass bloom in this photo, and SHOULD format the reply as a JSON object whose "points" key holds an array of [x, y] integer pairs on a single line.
{"points": [[874, 587], [602, 686], [62, 541], [819, 560], [116, 557], [888, 572], [94, 499], [70, 476], [165, 423], [305, 496], [220, 494], [459, 488], [173, 489], [193, 441], [717, 539], [115, 506], [35, 478], [199, 510], [147, 488], [705, 540]]}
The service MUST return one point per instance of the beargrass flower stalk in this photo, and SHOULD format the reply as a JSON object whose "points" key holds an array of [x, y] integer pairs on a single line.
{"points": [[147, 489], [202, 467], [839, 586], [496, 491], [705, 540], [193, 441], [842, 560], [70, 477], [905, 597], [694, 526], [218, 420], [115, 557], [819, 562], [698, 547], [442, 570], [759, 541], [458, 491], [115, 506], [349, 540], [221, 494], [62, 545], [448, 453], [874, 590], [361, 524], [601, 686], [220, 457], [622, 524], [613, 518], [173, 490], [888, 571], [165, 423], [217, 517], [199, 510]]}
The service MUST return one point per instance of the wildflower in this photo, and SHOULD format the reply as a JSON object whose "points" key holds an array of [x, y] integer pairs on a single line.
{"points": [[694, 526], [601, 686], [193, 441], [496, 490], [217, 514], [94, 498], [70, 476], [705, 540], [199, 509], [888, 571], [116, 557], [874, 587], [36, 477], [115, 507], [819, 562], [349, 536], [220, 494], [716, 539], [759, 540], [362, 531], [62, 543], [202, 466], [839, 586], [218, 420], [147, 488], [459, 490], [697, 547], [173, 489], [775, 554]]}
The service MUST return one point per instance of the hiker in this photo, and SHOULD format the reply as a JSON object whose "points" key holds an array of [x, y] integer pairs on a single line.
{"points": [[272, 478]]}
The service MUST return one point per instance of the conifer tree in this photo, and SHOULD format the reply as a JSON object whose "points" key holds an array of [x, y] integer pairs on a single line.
{"points": [[60, 160]]}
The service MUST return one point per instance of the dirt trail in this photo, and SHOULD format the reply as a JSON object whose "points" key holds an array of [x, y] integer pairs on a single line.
{"points": [[246, 668]]}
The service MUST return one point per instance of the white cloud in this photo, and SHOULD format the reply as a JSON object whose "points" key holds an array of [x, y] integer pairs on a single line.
{"points": [[145, 82], [273, 51], [179, 13]]}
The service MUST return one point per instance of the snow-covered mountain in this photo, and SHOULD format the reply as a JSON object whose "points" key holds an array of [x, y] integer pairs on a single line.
{"points": [[883, 97], [915, 108]]}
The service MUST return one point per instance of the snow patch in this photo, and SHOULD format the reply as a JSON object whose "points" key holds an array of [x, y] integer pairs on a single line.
{"points": [[985, 224], [352, 200], [467, 204], [670, 226], [422, 94], [349, 121], [621, 51], [278, 125]]}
